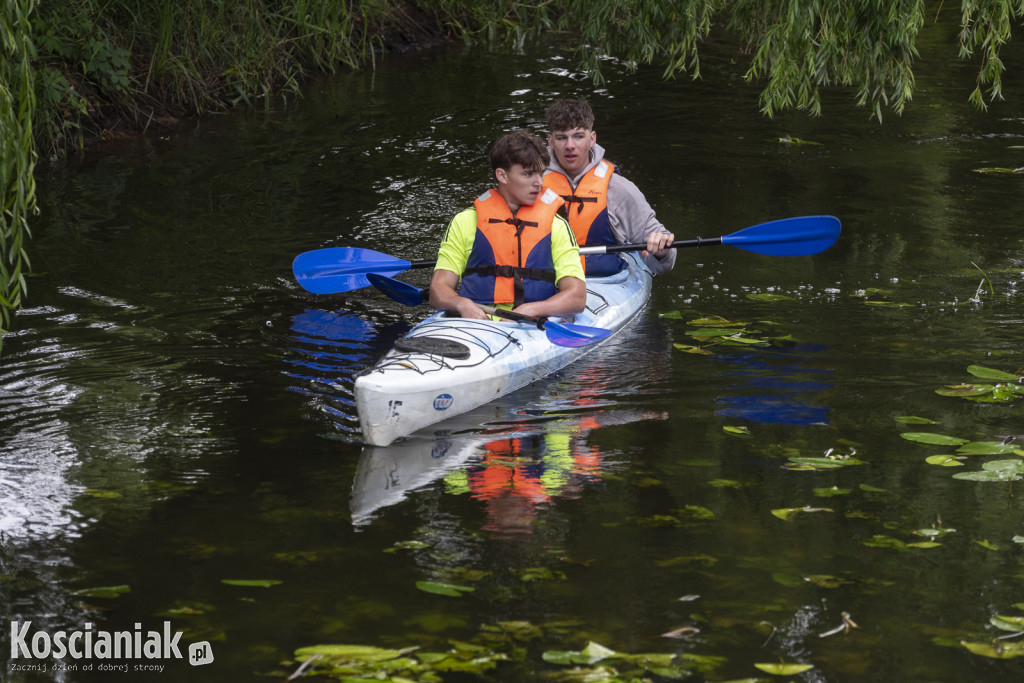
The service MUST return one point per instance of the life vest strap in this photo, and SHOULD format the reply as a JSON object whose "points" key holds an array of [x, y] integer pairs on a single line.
{"points": [[515, 222], [570, 198], [513, 272]]}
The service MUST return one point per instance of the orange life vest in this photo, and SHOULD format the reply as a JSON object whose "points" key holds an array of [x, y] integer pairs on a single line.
{"points": [[587, 208], [511, 261]]}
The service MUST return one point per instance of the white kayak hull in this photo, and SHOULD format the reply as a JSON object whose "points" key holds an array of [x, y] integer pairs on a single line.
{"points": [[406, 391]]}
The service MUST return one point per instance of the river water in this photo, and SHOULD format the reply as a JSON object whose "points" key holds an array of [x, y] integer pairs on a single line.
{"points": [[178, 441]]}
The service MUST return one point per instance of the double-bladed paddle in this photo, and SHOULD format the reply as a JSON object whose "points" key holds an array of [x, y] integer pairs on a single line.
{"points": [[343, 269], [561, 334]]}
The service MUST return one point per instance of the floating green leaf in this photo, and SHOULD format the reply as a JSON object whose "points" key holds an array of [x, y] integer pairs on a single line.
{"points": [[252, 583], [934, 439], [787, 140], [1012, 624], [727, 484], [887, 304], [695, 512], [541, 574], [364, 653], [714, 322], [912, 420], [766, 296], [784, 669], [987, 545], [826, 462], [996, 470], [707, 332], [103, 591], [989, 373], [787, 514], [965, 390], [1000, 650], [944, 460], [882, 541], [831, 492], [439, 588], [736, 431], [102, 493], [872, 489], [693, 349], [999, 169], [986, 448]]}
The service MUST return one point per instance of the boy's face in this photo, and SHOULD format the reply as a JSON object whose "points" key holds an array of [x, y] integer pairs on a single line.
{"points": [[572, 148], [520, 186]]}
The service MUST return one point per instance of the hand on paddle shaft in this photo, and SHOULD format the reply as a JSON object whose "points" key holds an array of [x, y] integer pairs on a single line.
{"points": [[343, 269], [562, 334]]}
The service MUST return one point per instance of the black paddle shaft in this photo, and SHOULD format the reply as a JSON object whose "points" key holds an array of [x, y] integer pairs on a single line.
{"points": [[678, 244]]}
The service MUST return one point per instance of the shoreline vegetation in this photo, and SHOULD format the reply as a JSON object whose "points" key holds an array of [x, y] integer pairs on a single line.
{"points": [[80, 70]]}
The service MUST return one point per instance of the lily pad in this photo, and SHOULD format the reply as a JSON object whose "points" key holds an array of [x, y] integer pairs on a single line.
{"points": [[1006, 623], [736, 431], [254, 583], [990, 373], [365, 653], [1002, 650], [765, 296], [831, 492], [439, 588], [784, 669], [706, 332], [693, 349], [996, 470], [787, 514], [944, 460], [933, 438], [986, 448], [914, 420], [965, 390], [103, 591]]}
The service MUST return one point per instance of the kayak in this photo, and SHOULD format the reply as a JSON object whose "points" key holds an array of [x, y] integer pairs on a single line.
{"points": [[447, 366]]}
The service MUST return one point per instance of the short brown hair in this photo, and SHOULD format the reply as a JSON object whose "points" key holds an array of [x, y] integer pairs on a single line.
{"points": [[569, 114], [519, 147]]}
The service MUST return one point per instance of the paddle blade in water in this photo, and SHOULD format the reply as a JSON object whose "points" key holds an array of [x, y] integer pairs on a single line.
{"points": [[799, 236], [342, 269], [402, 292], [574, 335]]}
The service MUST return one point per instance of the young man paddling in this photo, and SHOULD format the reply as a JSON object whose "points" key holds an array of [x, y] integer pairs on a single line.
{"points": [[603, 206], [511, 249]]}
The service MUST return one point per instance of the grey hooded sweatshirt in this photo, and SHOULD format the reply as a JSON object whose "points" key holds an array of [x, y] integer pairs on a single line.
{"points": [[630, 216]]}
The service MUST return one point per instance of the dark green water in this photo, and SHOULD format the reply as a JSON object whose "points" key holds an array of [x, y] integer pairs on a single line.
{"points": [[175, 411]]}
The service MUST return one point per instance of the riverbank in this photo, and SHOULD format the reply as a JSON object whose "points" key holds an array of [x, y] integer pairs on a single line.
{"points": [[110, 69]]}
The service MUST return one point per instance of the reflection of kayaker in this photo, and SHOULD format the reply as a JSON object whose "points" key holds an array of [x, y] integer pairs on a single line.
{"points": [[549, 458], [515, 478]]}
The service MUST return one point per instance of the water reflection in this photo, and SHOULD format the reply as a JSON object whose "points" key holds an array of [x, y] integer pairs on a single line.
{"points": [[327, 349], [514, 461], [518, 454], [774, 387]]}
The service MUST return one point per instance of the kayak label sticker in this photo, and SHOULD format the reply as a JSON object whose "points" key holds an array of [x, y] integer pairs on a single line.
{"points": [[443, 401]]}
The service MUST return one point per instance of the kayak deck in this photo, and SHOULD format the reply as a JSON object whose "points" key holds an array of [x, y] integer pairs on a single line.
{"points": [[408, 390]]}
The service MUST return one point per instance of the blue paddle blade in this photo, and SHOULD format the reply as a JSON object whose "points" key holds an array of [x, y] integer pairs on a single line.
{"points": [[342, 269], [564, 334], [402, 292], [799, 236]]}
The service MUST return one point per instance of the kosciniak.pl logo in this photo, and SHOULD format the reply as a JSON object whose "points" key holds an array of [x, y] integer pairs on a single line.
{"points": [[33, 650]]}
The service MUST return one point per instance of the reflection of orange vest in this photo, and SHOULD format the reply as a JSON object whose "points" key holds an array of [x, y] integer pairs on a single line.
{"points": [[587, 207], [511, 258], [501, 474]]}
